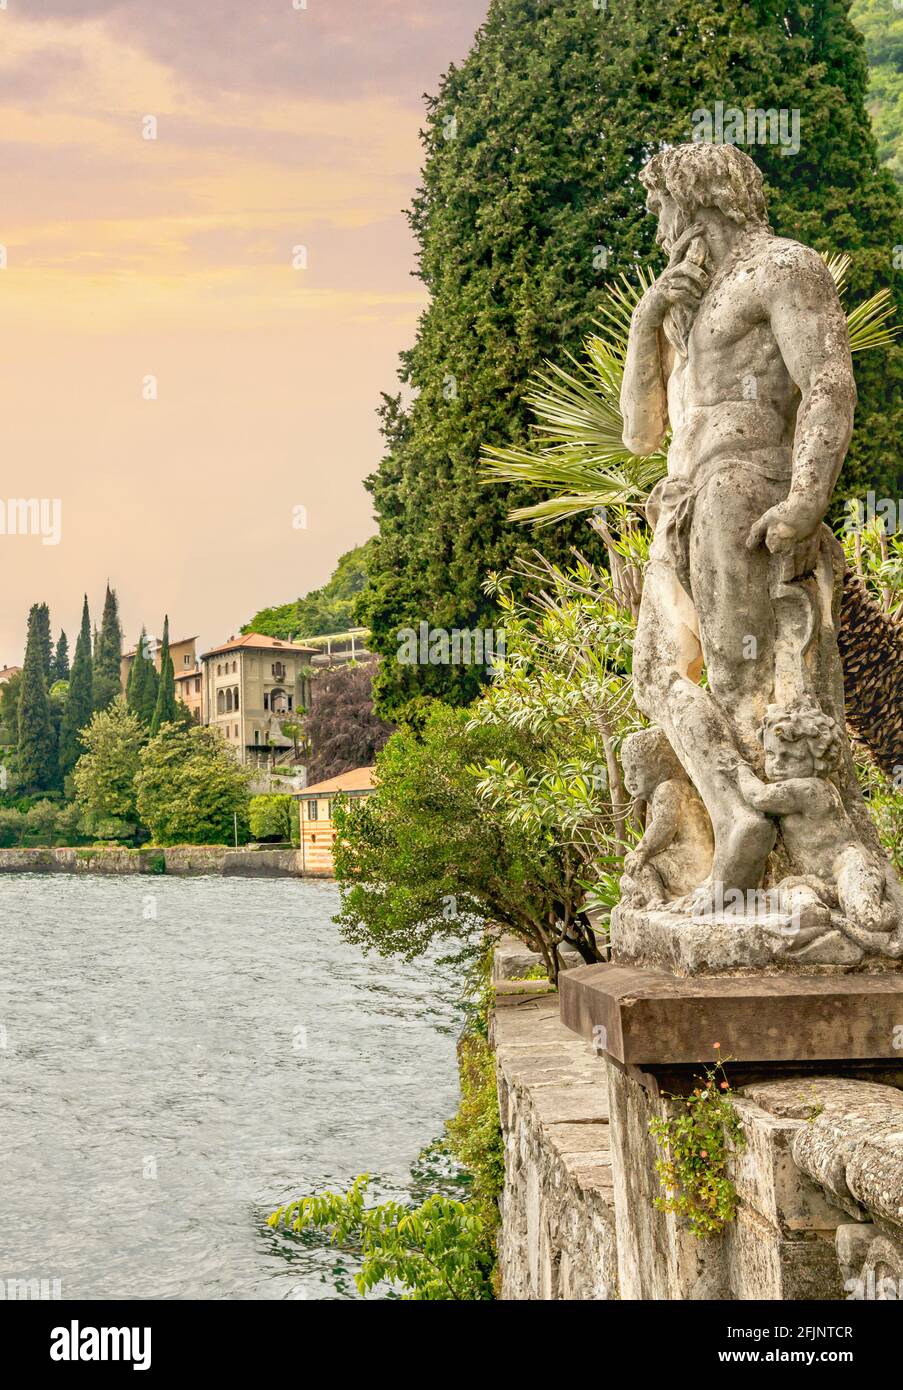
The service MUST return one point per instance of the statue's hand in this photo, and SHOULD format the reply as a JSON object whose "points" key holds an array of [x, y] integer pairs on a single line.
{"points": [[681, 282], [792, 528]]}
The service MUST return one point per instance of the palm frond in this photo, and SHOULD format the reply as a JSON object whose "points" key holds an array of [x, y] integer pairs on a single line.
{"points": [[577, 452], [867, 323]]}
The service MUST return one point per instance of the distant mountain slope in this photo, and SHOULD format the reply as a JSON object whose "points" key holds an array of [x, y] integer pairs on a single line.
{"points": [[329, 609]]}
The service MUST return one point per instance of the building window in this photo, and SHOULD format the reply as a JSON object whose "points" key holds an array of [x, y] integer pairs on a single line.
{"points": [[228, 701], [220, 702], [197, 685], [312, 810], [266, 699], [257, 737], [234, 665], [235, 697], [186, 660], [290, 704], [236, 731]]}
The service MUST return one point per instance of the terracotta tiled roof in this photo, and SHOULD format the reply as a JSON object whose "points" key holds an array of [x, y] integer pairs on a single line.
{"points": [[359, 779], [258, 642], [9, 671]]}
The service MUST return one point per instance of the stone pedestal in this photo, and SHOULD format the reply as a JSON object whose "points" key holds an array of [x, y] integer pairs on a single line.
{"points": [[766, 942], [647, 1017], [816, 1064]]}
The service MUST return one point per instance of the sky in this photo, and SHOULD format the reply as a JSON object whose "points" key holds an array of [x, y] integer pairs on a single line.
{"points": [[205, 282]]}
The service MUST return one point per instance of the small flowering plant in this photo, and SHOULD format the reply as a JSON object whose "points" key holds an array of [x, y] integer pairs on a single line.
{"points": [[696, 1141]]}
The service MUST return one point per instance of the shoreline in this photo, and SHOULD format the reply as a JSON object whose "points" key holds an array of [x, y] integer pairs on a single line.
{"points": [[175, 859]]}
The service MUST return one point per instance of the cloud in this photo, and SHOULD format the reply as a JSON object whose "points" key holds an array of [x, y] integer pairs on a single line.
{"points": [[334, 48]]}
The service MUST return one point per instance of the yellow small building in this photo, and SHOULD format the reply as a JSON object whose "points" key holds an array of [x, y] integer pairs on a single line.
{"points": [[317, 831]]}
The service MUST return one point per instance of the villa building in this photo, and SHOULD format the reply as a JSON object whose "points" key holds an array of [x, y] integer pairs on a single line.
{"points": [[316, 804], [190, 690], [184, 660], [253, 686]]}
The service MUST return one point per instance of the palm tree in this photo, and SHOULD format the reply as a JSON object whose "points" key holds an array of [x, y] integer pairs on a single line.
{"points": [[578, 457]]}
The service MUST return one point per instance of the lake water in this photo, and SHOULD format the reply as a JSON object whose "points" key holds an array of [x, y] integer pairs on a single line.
{"points": [[178, 1057]]}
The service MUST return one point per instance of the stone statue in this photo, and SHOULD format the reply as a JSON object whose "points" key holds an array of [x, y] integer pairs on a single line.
{"points": [[741, 349]]}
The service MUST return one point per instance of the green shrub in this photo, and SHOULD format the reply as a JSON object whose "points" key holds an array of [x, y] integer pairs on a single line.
{"points": [[697, 1143], [12, 826], [270, 817], [435, 1252]]}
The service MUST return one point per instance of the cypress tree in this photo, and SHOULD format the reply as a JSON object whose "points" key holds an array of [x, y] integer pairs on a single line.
{"points": [[59, 670], [141, 691], [165, 709], [80, 700], [108, 654], [36, 744], [39, 620], [530, 203]]}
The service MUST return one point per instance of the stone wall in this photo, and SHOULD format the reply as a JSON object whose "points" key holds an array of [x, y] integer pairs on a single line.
{"points": [[180, 859], [819, 1182], [557, 1236]]}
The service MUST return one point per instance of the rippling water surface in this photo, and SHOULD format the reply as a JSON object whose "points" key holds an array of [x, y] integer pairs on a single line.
{"points": [[182, 1055]]}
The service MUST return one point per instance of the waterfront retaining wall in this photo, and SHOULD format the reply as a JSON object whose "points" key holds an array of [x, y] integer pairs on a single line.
{"points": [[179, 859]]}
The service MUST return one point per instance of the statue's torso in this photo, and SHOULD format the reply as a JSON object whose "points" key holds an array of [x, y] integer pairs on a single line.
{"points": [[731, 397]]}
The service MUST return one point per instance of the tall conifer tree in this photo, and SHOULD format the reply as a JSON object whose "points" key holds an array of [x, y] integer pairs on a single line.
{"points": [[59, 670], [530, 203], [165, 710], [80, 700], [37, 763], [141, 692], [108, 656]]}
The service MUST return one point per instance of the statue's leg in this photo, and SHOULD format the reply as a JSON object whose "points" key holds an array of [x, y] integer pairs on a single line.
{"points": [[731, 586], [666, 668]]}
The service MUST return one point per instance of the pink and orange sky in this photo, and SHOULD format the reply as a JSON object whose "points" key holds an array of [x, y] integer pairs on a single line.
{"points": [[129, 258]]}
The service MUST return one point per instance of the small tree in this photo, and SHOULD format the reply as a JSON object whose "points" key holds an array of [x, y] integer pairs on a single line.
{"points": [[270, 817], [68, 824], [12, 826], [426, 858], [104, 775], [41, 819], [190, 788], [342, 728]]}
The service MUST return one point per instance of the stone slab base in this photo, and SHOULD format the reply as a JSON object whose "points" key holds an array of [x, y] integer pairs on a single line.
{"points": [[648, 1018], [725, 943]]}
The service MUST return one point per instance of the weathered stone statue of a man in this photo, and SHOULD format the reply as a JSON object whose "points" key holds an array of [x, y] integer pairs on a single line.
{"points": [[741, 349]]}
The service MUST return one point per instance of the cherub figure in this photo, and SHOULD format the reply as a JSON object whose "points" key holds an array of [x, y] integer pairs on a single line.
{"points": [[802, 746], [675, 852]]}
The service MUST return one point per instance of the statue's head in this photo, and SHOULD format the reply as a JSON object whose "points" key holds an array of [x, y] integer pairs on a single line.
{"points": [[648, 759], [684, 181], [799, 743]]}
